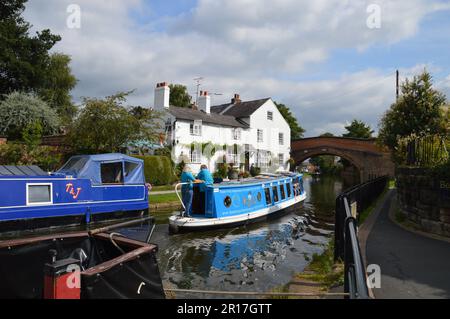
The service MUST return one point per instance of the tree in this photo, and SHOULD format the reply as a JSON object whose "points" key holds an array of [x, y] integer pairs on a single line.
{"points": [[24, 59], [105, 125], [19, 111], [179, 96], [57, 84], [296, 130], [418, 111], [358, 129], [327, 134]]}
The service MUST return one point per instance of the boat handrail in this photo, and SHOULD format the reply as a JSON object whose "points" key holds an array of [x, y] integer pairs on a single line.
{"points": [[178, 195]]}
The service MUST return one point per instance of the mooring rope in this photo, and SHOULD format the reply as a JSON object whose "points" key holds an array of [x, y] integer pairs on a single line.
{"points": [[245, 293]]}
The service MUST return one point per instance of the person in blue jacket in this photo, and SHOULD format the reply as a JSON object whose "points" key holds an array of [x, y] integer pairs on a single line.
{"points": [[187, 190], [205, 176]]}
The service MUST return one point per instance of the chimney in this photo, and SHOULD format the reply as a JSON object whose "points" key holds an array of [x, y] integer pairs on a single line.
{"points": [[204, 102], [236, 99], [162, 96]]}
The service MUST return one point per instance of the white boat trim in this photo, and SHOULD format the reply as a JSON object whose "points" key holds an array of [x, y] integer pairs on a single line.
{"points": [[192, 222]]}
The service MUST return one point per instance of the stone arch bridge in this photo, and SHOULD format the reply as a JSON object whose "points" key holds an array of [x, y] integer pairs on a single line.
{"points": [[370, 159]]}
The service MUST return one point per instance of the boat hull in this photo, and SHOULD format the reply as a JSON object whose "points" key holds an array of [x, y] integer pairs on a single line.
{"points": [[178, 224]]}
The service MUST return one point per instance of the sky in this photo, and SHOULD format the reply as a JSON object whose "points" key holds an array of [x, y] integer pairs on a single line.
{"points": [[330, 61]]}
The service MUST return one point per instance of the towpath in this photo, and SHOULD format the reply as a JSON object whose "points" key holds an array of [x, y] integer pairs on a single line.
{"points": [[412, 265]]}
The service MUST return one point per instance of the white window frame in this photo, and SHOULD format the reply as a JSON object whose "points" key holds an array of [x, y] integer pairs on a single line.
{"points": [[270, 115], [40, 203], [260, 136], [237, 134], [262, 159], [196, 128], [281, 156], [281, 138], [198, 158]]}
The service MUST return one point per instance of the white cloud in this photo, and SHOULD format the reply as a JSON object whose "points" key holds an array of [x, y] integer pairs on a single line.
{"points": [[247, 46]]}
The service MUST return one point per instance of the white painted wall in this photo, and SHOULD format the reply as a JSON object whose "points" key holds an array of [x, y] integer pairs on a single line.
{"points": [[224, 136]]}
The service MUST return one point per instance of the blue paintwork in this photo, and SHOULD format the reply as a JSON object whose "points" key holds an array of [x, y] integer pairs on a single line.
{"points": [[86, 198], [244, 196]]}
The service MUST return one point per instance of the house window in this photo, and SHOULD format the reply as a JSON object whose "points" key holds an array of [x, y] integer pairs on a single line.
{"points": [[111, 173], [281, 159], [263, 159], [196, 156], [260, 136], [270, 116], [237, 134], [196, 128], [232, 155], [281, 138], [39, 194]]}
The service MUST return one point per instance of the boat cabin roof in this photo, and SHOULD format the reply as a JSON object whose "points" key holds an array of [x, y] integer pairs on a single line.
{"points": [[261, 179], [105, 169], [28, 170]]}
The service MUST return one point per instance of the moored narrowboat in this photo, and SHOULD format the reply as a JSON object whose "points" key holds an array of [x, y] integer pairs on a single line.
{"points": [[86, 189], [232, 203]]}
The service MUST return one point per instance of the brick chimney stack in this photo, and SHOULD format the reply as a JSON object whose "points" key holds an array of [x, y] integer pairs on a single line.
{"points": [[236, 99]]}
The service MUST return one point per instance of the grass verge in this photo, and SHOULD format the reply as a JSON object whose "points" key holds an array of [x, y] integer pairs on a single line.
{"points": [[163, 198], [163, 188]]}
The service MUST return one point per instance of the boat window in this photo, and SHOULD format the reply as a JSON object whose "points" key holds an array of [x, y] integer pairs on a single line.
{"points": [[289, 192], [74, 165], [227, 201], [268, 197], [259, 197], [112, 173], [282, 192], [39, 194], [275, 194], [130, 167]]}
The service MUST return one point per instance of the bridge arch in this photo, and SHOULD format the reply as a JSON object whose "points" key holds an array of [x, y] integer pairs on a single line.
{"points": [[369, 159]]}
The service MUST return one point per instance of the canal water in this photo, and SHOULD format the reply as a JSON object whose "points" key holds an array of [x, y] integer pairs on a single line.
{"points": [[259, 257]]}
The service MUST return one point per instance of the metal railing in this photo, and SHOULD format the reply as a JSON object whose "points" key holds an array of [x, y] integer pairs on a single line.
{"points": [[349, 205], [426, 151]]}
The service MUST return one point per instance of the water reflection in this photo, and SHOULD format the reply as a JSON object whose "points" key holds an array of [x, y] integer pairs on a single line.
{"points": [[257, 257]]}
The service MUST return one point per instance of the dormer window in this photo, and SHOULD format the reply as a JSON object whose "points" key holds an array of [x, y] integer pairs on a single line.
{"points": [[270, 116]]}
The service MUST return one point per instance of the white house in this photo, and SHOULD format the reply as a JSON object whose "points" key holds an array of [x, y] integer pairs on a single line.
{"points": [[245, 133]]}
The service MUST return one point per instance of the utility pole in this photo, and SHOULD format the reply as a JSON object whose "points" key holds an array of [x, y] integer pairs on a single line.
{"points": [[398, 84], [198, 80]]}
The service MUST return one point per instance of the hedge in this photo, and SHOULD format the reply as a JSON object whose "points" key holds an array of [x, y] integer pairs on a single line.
{"points": [[158, 170]]}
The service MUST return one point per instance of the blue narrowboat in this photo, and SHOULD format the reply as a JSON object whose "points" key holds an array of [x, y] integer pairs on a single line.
{"points": [[86, 189], [232, 203]]}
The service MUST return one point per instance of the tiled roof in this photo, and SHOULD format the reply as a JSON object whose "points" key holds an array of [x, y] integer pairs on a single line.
{"points": [[198, 115], [239, 110]]}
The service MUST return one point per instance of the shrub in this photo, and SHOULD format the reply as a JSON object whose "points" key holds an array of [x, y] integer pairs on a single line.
{"points": [[255, 171], [46, 157], [158, 170], [20, 110], [222, 171]]}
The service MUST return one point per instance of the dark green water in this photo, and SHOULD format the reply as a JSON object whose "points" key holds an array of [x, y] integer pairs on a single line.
{"points": [[253, 258]]}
